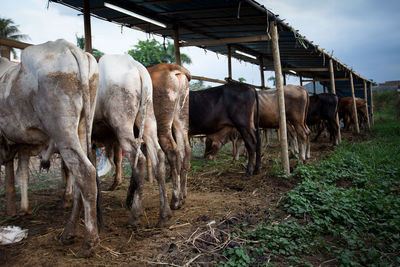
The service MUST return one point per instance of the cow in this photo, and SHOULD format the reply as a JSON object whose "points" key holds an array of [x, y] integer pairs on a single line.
{"points": [[50, 95], [125, 101], [323, 108], [171, 108], [296, 104], [345, 110], [170, 90], [223, 108]]}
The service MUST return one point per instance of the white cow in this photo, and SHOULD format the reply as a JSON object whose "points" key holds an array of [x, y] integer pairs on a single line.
{"points": [[50, 96], [125, 100]]}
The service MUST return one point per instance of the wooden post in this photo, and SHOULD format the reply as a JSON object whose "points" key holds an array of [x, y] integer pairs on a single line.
{"points": [[5, 51], [281, 98], [366, 103], [10, 189], [333, 91], [314, 88], [372, 103], [176, 46], [88, 29], [262, 72], [230, 62], [301, 80], [354, 103], [284, 78]]}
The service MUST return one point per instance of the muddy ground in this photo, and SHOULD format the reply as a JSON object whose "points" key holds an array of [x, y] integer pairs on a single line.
{"points": [[216, 193]]}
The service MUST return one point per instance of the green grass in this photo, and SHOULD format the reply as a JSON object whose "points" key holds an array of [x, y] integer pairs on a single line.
{"points": [[346, 208]]}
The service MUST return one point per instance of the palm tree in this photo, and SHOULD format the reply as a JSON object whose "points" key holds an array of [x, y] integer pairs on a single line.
{"points": [[80, 42], [9, 30]]}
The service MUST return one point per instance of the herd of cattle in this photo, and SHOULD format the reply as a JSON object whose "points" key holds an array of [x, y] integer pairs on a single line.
{"points": [[60, 98]]}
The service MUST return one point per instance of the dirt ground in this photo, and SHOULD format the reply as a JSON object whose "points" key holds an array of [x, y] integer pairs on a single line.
{"points": [[217, 202]]}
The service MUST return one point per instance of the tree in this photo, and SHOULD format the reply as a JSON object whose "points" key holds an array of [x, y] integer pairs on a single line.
{"points": [[272, 78], [199, 85], [9, 30], [151, 52], [80, 42], [241, 79]]}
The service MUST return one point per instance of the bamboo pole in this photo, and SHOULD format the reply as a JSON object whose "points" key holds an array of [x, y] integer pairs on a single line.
{"points": [[262, 72], [354, 103], [88, 30], [229, 62], [10, 189], [372, 103], [176, 46], [281, 98], [366, 103], [333, 91]]}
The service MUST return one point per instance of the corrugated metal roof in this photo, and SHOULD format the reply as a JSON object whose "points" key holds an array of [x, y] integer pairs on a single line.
{"points": [[204, 20]]}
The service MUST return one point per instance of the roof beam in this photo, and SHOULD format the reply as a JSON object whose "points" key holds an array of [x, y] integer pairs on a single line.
{"points": [[145, 3], [300, 69], [13, 43], [228, 41]]}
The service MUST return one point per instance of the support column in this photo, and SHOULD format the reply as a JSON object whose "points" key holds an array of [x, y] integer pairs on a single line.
{"points": [[372, 103], [354, 103], [314, 88], [324, 89], [5, 51], [281, 98], [284, 78], [301, 80], [262, 72], [10, 188], [176, 46], [366, 103], [230, 62], [333, 91], [88, 29]]}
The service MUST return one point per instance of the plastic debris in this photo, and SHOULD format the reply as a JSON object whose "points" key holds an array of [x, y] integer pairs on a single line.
{"points": [[12, 234]]}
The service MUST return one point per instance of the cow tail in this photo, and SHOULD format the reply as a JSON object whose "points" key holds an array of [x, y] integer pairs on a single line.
{"points": [[258, 139], [86, 71], [308, 131], [146, 97]]}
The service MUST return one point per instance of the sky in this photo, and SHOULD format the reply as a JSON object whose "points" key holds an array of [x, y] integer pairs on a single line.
{"points": [[363, 34]]}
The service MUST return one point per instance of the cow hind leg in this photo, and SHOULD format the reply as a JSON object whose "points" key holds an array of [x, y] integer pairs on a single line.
{"points": [[117, 160], [85, 195], [250, 143], [185, 151], [23, 178], [157, 158], [170, 148]]}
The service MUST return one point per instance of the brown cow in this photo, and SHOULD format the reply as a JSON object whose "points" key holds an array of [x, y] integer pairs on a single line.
{"points": [[171, 108], [345, 110], [296, 103]]}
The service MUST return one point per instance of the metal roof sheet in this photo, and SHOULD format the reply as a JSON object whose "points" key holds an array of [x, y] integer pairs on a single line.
{"points": [[204, 20]]}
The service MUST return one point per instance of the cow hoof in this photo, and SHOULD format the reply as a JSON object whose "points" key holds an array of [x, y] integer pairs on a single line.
{"points": [[114, 186], [246, 177], [163, 223], [25, 213], [133, 223], [67, 204], [67, 239], [85, 251]]}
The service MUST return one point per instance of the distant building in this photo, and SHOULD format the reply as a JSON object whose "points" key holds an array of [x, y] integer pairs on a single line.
{"points": [[387, 86]]}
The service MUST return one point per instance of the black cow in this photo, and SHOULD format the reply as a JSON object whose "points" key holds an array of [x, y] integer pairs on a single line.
{"points": [[226, 107], [323, 109]]}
